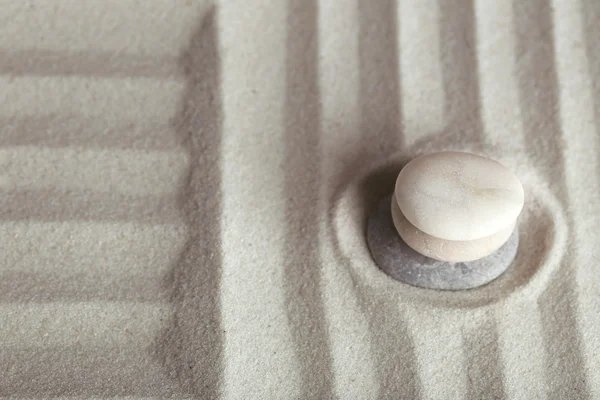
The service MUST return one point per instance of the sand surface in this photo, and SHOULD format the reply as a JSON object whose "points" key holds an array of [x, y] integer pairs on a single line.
{"points": [[184, 189]]}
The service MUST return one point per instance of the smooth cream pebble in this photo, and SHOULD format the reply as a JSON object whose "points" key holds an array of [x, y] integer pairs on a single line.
{"points": [[459, 196]]}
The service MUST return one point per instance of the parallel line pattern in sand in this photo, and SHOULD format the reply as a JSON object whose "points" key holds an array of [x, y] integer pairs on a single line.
{"points": [[577, 117], [522, 354], [496, 49], [83, 371], [82, 324], [123, 261], [62, 130], [303, 279], [482, 359], [519, 358], [101, 170], [459, 64], [590, 305], [161, 280], [380, 134], [115, 26], [439, 355], [545, 137], [353, 359], [42, 62], [89, 159], [111, 100], [52, 204], [189, 349], [419, 55], [259, 350]]}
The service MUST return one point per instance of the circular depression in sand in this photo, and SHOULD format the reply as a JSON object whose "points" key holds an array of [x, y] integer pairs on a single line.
{"points": [[542, 227]]}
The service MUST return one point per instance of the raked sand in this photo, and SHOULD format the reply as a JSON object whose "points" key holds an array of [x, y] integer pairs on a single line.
{"points": [[184, 189]]}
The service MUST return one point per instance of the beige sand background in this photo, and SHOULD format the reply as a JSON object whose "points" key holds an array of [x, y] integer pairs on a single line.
{"points": [[184, 190]]}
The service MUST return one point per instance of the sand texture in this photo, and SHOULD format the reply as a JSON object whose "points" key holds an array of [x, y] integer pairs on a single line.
{"points": [[185, 187]]}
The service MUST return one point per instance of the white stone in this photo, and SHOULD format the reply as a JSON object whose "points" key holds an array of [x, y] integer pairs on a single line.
{"points": [[447, 250], [458, 196]]}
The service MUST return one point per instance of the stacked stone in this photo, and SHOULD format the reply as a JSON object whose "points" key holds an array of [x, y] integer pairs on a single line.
{"points": [[456, 207]]}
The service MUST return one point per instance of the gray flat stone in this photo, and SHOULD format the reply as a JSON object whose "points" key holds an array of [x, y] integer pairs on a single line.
{"points": [[402, 263]]}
